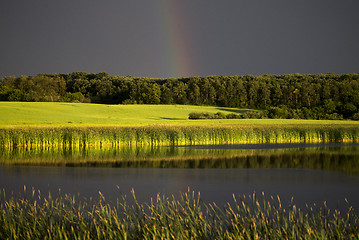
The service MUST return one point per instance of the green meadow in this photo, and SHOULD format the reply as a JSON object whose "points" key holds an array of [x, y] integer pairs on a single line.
{"points": [[87, 114], [15, 114], [79, 124]]}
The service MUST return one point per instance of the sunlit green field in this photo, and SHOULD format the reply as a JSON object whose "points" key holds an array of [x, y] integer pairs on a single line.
{"points": [[83, 114]]}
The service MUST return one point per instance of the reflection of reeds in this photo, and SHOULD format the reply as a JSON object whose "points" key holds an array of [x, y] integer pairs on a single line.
{"points": [[345, 159], [175, 135], [185, 217]]}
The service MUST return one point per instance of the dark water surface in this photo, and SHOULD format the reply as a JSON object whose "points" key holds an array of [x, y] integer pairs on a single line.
{"points": [[309, 175]]}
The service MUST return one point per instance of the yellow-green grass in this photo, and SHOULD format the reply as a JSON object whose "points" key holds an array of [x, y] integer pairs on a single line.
{"points": [[84, 114], [80, 124], [36, 216]]}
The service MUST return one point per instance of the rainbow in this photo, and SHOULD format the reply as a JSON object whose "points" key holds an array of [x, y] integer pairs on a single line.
{"points": [[177, 47]]}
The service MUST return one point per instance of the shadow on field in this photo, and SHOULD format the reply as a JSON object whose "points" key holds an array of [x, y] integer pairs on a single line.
{"points": [[165, 118], [235, 110]]}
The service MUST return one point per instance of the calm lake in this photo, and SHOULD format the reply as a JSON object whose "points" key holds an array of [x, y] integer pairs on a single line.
{"points": [[310, 173]]}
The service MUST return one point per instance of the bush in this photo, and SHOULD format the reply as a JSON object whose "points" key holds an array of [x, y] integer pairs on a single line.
{"points": [[278, 112], [196, 115], [129, 101], [201, 115], [355, 116], [234, 116], [253, 115], [220, 115], [336, 116], [10, 94], [74, 97]]}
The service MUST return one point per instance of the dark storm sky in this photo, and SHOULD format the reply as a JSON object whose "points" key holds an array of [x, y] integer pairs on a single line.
{"points": [[222, 37]]}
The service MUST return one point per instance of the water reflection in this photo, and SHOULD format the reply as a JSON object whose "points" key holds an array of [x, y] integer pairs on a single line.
{"points": [[337, 157], [216, 171], [215, 185]]}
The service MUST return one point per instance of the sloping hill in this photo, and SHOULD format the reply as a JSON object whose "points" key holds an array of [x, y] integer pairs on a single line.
{"points": [[85, 114]]}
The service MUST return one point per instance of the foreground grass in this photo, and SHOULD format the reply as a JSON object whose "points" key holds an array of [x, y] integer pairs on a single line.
{"points": [[186, 217]]}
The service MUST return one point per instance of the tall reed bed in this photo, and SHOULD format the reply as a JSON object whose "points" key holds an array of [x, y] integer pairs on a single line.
{"points": [[184, 217], [156, 135]]}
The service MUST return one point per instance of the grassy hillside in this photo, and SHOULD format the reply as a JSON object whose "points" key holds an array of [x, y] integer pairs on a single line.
{"points": [[82, 114]]}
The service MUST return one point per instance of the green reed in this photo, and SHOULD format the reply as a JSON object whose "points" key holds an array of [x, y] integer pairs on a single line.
{"points": [[33, 216], [156, 135]]}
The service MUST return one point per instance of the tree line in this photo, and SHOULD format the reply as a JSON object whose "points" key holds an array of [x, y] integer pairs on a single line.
{"points": [[317, 96]]}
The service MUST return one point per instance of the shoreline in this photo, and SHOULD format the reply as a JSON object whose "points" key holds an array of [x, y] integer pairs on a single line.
{"points": [[173, 135]]}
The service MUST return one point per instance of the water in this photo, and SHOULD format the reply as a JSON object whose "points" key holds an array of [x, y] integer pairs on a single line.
{"points": [[310, 174]]}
